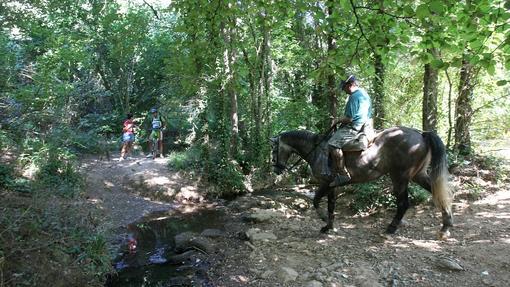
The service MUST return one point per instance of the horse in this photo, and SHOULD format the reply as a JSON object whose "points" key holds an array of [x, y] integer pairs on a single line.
{"points": [[400, 152]]}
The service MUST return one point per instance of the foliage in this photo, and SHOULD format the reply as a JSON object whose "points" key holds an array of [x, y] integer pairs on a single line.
{"points": [[369, 197], [58, 171], [43, 227], [6, 176], [227, 178], [418, 195], [188, 160]]}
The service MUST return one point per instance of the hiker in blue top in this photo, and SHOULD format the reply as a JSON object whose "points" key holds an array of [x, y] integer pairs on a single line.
{"points": [[157, 124], [357, 116]]}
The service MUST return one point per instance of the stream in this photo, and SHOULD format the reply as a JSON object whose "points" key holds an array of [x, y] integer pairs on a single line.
{"points": [[171, 249]]}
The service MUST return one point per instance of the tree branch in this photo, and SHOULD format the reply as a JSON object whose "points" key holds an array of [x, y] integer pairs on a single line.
{"points": [[355, 50], [360, 26], [152, 8], [489, 103], [384, 12]]}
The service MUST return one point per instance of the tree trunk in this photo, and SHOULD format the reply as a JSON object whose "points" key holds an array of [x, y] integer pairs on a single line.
{"points": [[450, 125], [464, 102], [464, 109], [265, 87], [430, 92], [229, 56], [330, 79], [271, 70], [379, 92]]}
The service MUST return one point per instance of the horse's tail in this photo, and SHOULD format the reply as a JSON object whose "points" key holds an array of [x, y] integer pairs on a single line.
{"points": [[441, 193]]}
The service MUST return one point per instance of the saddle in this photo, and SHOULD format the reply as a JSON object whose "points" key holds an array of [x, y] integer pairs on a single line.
{"points": [[362, 140]]}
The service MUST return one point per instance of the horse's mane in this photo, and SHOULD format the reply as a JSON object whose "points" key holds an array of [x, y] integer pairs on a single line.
{"points": [[299, 135]]}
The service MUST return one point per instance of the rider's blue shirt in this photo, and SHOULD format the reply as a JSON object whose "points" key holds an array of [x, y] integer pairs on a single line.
{"points": [[358, 108]]}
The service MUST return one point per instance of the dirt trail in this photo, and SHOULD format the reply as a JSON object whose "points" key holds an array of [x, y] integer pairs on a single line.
{"points": [[293, 253], [130, 189], [357, 253]]}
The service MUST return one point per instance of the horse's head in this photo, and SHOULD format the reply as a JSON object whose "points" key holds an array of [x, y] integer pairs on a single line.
{"points": [[280, 154]]}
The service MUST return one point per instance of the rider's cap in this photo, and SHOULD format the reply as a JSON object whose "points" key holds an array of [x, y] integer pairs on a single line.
{"points": [[154, 110], [350, 79]]}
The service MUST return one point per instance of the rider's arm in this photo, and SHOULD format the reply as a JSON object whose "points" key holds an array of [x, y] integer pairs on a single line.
{"points": [[342, 120]]}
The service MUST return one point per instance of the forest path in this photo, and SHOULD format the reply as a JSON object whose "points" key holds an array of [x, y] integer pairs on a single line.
{"points": [[358, 253], [130, 189]]}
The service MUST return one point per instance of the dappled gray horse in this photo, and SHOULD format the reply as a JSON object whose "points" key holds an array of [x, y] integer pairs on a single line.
{"points": [[402, 153]]}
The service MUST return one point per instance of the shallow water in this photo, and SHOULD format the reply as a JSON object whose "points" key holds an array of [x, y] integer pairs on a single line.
{"points": [[148, 265]]}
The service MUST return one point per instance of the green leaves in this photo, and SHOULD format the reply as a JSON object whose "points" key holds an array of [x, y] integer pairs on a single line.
{"points": [[502, 82], [437, 7], [422, 11]]}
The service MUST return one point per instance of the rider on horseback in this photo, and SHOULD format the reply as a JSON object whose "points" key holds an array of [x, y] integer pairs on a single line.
{"points": [[357, 117]]}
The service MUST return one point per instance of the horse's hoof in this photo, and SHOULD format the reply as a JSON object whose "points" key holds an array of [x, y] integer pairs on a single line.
{"points": [[391, 229], [443, 235], [325, 229]]}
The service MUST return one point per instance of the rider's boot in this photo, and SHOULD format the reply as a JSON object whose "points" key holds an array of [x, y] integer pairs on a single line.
{"points": [[342, 177]]}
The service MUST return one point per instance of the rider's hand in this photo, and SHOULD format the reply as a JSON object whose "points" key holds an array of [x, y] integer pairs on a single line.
{"points": [[344, 120]]}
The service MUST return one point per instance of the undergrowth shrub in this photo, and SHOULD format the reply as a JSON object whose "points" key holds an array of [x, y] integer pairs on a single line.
{"points": [[187, 160], [369, 197], [6, 175], [10, 180], [60, 237], [58, 170], [53, 164], [227, 177]]}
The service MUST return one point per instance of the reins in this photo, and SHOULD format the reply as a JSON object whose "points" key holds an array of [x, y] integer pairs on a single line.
{"points": [[312, 150]]}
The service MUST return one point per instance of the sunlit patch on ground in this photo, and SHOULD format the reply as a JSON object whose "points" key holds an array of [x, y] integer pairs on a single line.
{"points": [[428, 245]]}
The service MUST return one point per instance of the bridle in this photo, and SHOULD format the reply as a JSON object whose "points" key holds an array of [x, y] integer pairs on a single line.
{"points": [[278, 164], [283, 167]]}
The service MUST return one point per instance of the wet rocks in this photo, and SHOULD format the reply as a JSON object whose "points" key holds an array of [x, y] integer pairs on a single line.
{"points": [[190, 240], [212, 233], [256, 234], [260, 215], [449, 264], [313, 283], [287, 274], [187, 257]]}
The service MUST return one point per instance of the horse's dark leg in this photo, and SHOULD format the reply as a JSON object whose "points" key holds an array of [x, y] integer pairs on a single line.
{"points": [[423, 180], [331, 211], [319, 194], [401, 193]]}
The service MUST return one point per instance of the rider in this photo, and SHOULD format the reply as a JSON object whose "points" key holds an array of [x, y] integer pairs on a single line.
{"points": [[157, 125], [357, 115]]}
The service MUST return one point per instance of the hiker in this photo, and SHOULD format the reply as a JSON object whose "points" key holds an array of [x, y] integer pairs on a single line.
{"points": [[157, 125], [128, 136]]}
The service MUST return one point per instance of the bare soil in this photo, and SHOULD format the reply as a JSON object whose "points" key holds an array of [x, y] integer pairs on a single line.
{"points": [[355, 253]]}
